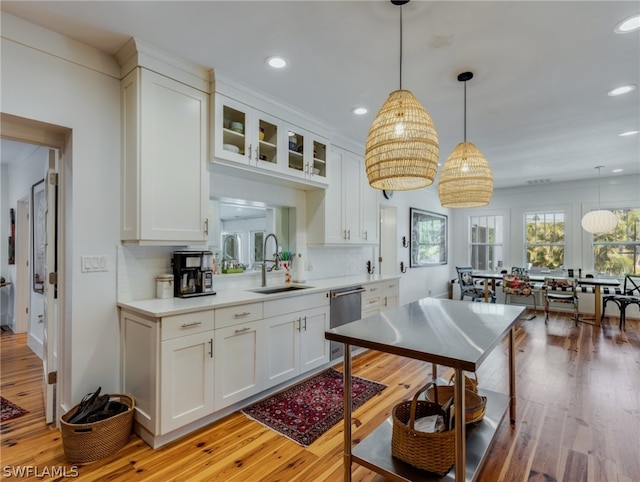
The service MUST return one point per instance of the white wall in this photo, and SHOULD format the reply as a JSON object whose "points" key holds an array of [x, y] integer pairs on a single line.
{"points": [[54, 79], [576, 198]]}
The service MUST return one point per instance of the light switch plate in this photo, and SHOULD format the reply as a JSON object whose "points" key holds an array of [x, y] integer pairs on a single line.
{"points": [[93, 263]]}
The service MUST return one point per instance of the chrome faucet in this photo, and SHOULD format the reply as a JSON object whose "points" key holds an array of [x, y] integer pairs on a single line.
{"points": [[275, 261]]}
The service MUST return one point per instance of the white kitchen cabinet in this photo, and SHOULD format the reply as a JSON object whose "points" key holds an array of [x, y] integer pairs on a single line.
{"points": [[294, 341], [187, 376], [238, 368], [372, 298], [164, 176], [347, 212], [391, 293], [306, 154], [167, 366], [247, 136]]}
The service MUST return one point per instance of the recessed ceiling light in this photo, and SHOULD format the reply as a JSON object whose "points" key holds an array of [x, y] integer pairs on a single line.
{"points": [[628, 24], [276, 62], [359, 111], [625, 89], [616, 170], [628, 133]]}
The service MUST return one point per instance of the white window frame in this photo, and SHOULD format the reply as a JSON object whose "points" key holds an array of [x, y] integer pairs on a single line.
{"points": [[564, 244], [505, 233]]}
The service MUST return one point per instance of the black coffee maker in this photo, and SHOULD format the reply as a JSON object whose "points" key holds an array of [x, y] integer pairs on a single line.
{"points": [[192, 273]]}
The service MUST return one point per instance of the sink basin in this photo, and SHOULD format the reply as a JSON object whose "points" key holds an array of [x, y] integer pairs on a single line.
{"points": [[268, 290]]}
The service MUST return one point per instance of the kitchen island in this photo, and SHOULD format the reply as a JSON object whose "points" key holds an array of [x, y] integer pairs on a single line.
{"points": [[456, 334]]}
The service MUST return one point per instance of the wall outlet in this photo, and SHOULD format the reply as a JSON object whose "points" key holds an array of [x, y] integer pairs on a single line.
{"points": [[93, 263]]}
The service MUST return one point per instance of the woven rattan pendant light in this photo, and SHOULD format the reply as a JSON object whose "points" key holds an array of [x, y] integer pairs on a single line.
{"points": [[599, 221], [466, 180], [402, 145]]}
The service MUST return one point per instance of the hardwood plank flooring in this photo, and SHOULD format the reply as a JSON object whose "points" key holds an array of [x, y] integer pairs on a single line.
{"points": [[578, 418]]}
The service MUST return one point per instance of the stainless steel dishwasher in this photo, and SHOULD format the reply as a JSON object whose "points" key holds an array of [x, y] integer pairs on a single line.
{"points": [[346, 306]]}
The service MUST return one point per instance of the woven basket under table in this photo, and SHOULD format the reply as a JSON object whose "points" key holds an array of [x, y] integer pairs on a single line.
{"points": [[475, 405], [434, 452], [88, 442]]}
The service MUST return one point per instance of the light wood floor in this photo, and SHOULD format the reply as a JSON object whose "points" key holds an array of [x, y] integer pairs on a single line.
{"points": [[578, 418]]}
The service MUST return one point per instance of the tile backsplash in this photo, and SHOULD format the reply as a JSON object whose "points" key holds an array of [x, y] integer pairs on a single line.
{"points": [[138, 266]]}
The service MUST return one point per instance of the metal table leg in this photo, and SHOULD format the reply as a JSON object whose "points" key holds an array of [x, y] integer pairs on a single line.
{"points": [[512, 377], [347, 412], [460, 425]]}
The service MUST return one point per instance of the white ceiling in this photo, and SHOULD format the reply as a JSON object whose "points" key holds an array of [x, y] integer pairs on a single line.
{"points": [[536, 107]]}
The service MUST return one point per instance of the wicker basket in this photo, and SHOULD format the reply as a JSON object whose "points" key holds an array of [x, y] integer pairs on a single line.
{"points": [[88, 442], [434, 452], [475, 405]]}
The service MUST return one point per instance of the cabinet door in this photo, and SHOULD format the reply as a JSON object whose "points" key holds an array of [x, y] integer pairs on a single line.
{"points": [[282, 351], [165, 182], [232, 130], [314, 347], [237, 368], [297, 163], [352, 170], [370, 210], [186, 380], [267, 143]]}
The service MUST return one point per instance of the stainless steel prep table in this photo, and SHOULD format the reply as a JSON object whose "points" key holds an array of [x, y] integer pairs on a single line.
{"points": [[457, 334]]}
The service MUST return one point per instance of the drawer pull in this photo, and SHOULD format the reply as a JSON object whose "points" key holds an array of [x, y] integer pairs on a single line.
{"points": [[372, 302], [242, 330], [189, 325], [373, 289], [240, 315]]}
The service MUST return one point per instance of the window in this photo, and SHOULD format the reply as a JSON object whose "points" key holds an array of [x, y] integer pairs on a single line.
{"points": [[544, 239], [618, 252], [487, 238]]}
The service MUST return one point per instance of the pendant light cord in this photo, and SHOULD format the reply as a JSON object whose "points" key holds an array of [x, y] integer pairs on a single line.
{"points": [[400, 47], [465, 111]]}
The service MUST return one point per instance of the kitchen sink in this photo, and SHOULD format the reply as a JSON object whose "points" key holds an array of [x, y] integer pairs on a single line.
{"points": [[268, 290]]}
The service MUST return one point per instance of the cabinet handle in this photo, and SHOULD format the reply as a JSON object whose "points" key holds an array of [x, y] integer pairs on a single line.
{"points": [[257, 158], [372, 302], [345, 234], [385, 301], [250, 146], [305, 323], [242, 330], [206, 226], [306, 168], [211, 347], [240, 315], [366, 236], [349, 234], [189, 325], [373, 289], [299, 323]]}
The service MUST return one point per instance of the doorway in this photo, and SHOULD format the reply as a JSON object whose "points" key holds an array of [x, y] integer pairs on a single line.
{"points": [[388, 241], [50, 284]]}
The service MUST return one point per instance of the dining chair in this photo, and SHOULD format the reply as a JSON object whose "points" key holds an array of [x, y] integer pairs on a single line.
{"points": [[517, 284], [630, 296], [560, 290], [468, 286]]}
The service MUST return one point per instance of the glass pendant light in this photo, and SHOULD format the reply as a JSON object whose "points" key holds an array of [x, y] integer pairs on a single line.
{"points": [[599, 221], [402, 147], [466, 180]]}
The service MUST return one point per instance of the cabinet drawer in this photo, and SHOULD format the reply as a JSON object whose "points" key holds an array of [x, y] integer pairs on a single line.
{"points": [[187, 324], [233, 315], [391, 287], [295, 303]]}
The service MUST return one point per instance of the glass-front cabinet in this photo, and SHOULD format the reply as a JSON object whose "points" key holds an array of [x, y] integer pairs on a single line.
{"points": [[248, 136], [306, 154]]}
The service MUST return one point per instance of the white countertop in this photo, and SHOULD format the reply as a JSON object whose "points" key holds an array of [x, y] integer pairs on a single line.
{"points": [[173, 306]]}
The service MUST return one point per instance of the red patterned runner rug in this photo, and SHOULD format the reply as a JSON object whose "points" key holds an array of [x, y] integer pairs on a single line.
{"points": [[305, 411], [10, 410]]}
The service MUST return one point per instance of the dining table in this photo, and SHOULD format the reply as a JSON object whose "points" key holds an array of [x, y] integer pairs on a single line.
{"points": [[597, 284]]}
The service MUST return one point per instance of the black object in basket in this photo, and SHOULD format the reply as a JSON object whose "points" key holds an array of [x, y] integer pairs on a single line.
{"points": [[435, 451], [88, 442]]}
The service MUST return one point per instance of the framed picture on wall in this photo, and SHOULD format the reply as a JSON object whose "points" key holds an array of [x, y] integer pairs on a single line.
{"points": [[38, 230], [428, 238]]}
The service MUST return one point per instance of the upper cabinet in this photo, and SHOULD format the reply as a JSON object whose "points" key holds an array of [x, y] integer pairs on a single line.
{"points": [[164, 176], [347, 212], [267, 145]]}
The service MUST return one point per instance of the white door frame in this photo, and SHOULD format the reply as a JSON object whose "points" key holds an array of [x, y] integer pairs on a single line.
{"points": [[32, 131]]}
